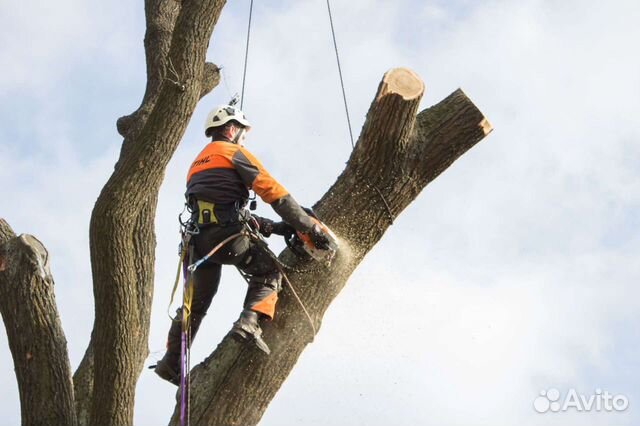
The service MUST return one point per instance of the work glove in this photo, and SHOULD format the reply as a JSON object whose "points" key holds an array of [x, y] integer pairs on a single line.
{"points": [[265, 226], [282, 228], [318, 238]]}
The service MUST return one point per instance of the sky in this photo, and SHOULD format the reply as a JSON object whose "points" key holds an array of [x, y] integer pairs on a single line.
{"points": [[513, 273]]}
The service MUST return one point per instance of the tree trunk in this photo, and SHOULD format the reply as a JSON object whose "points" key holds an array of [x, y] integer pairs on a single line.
{"points": [[36, 339], [122, 223], [397, 155], [121, 229]]}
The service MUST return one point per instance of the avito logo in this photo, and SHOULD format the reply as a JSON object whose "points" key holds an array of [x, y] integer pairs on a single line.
{"points": [[550, 400]]}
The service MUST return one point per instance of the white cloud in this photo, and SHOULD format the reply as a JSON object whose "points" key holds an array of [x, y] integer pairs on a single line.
{"points": [[512, 272]]}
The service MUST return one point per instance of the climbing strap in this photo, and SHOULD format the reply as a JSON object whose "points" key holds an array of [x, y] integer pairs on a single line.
{"points": [[184, 250], [185, 335], [191, 268], [185, 345], [183, 253]]}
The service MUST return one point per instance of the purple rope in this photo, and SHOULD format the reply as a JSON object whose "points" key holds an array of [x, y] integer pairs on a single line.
{"points": [[183, 356]]}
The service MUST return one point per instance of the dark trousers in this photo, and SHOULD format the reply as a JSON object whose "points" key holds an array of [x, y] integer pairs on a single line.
{"points": [[255, 263]]}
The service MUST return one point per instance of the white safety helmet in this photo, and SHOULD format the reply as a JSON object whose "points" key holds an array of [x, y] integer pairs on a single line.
{"points": [[223, 114]]}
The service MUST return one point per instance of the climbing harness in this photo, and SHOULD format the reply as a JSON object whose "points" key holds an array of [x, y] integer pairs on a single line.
{"points": [[191, 268], [185, 343], [188, 229], [260, 242], [187, 265]]}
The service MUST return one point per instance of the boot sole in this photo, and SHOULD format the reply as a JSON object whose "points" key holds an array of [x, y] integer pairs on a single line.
{"points": [[166, 373]]}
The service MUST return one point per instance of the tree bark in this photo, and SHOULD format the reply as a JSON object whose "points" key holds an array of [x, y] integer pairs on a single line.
{"points": [[34, 330], [121, 230], [122, 238], [83, 386], [397, 155]]}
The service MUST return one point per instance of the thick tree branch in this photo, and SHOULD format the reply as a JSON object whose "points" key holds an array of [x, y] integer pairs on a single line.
{"points": [[121, 228], [83, 386], [397, 155], [210, 78], [36, 339], [161, 16], [144, 248], [6, 233]]}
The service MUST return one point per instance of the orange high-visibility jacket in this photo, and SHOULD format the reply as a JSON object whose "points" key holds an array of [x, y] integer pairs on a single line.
{"points": [[223, 173]]}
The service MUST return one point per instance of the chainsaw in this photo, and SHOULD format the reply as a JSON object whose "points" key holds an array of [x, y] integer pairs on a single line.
{"points": [[302, 245]]}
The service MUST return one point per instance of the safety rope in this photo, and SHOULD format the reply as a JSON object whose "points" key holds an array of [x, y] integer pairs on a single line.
{"points": [[183, 252], [335, 47], [344, 94], [246, 55], [195, 265], [185, 346], [304, 308], [297, 270], [265, 247], [384, 200], [185, 333], [346, 106]]}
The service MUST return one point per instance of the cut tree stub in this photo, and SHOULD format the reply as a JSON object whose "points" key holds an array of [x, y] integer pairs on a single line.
{"points": [[401, 81]]}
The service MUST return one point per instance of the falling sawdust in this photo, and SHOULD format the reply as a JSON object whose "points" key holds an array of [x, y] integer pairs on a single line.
{"points": [[344, 262]]}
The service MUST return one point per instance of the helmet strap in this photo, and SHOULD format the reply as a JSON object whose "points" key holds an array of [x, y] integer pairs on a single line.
{"points": [[238, 136]]}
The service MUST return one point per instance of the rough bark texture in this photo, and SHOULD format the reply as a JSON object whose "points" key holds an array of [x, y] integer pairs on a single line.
{"points": [[397, 155], [83, 386], [121, 230], [36, 339]]}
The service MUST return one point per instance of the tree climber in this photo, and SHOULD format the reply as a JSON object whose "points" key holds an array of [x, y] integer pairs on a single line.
{"points": [[217, 193]]}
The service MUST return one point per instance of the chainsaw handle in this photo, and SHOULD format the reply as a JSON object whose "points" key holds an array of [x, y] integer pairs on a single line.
{"points": [[292, 237], [292, 240]]}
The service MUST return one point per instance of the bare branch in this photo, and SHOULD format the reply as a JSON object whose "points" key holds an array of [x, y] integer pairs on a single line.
{"points": [[121, 228], [161, 17], [210, 78], [36, 339]]}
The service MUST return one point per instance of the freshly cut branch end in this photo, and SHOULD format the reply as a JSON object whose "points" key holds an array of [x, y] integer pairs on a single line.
{"points": [[486, 126], [403, 82]]}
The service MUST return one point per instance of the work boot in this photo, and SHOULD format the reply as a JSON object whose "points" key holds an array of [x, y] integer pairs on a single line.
{"points": [[168, 368], [247, 329]]}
